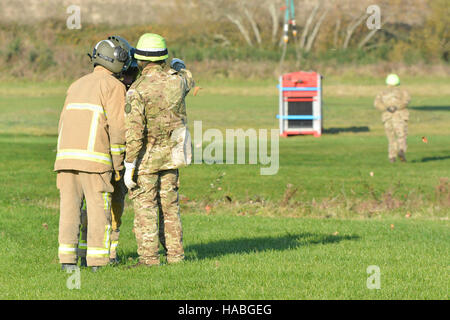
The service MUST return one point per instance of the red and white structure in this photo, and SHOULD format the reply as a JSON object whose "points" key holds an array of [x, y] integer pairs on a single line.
{"points": [[300, 105]]}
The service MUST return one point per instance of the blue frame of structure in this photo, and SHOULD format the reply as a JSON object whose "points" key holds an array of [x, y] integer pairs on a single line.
{"points": [[298, 117]]}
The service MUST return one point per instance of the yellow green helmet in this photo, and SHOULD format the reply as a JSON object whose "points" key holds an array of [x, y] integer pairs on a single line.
{"points": [[151, 47], [392, 80]]}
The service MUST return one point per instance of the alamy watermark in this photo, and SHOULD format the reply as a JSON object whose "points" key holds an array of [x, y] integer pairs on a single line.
{"points": [[374, 278], [257, 147], [74, 281], [374, 20], [74, 19]]}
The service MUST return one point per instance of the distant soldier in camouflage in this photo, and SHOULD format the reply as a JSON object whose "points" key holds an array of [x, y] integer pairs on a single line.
{"points": [[393, 102], [157, 144]]}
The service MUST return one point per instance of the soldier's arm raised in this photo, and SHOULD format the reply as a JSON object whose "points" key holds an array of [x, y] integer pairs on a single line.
{"points": [[116, 124], [135, 122], [378, 103], [188, 79]]}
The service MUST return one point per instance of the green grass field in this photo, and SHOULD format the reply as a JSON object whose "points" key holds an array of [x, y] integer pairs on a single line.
{"points": [[308, 232]]}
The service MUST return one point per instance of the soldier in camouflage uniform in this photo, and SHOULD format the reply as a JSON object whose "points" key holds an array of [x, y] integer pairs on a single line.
{"points": [[157, 144], [393, 103]]}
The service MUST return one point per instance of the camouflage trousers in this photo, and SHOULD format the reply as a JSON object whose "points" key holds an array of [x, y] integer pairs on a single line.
{"points": [[157, 217], [117, 208], [396, 132]]}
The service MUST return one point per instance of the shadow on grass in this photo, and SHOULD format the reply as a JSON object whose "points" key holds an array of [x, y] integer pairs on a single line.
{"points": [[428, 159], [250, 245], [348, 129], [431, 108], [253, 245]]}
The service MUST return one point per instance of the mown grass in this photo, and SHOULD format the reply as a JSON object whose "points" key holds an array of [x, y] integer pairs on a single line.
{"points": [[229, 257], [336, 166], [249, 236]]}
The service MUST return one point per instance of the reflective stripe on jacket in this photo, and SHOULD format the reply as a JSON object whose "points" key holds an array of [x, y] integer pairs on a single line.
{"points": [[91, 133]]}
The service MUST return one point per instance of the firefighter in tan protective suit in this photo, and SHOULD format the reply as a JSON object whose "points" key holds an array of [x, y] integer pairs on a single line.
{"points": [[127, 77], [91, 145]]}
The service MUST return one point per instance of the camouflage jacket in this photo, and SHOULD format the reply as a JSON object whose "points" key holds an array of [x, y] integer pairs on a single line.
{"points": [[393, 103], [155, 107]]}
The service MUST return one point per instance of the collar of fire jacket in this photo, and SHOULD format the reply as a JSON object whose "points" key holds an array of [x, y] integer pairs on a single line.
{"points": [[101, 69]]}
